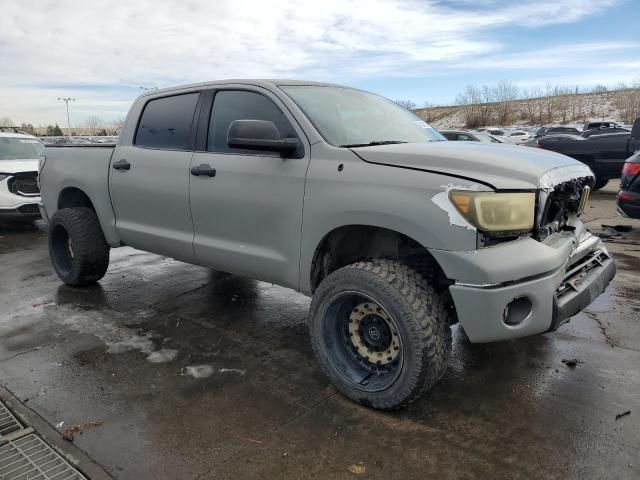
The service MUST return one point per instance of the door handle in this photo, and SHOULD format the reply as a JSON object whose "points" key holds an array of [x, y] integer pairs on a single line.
{"points": [[122, 165], [203, 169]]}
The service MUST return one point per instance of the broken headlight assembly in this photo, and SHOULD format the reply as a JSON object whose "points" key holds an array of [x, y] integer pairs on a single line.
{"points": [[499, 213]]}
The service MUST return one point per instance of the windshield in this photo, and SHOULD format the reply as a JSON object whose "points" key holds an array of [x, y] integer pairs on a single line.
{"points": [[347, 117], [486, 138], [16, 148]]}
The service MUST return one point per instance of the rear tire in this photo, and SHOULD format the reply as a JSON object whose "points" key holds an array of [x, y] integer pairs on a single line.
{"points": [[380, 332], [600, 183], [79, 253]]}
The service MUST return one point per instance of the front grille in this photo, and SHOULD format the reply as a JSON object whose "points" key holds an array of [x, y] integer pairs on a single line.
{"points": [[558, 205], [29, 209], [579, 270], [24, 184]]}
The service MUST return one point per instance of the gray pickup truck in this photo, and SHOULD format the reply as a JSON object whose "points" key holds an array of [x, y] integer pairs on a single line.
{"points": [[342, 195]]}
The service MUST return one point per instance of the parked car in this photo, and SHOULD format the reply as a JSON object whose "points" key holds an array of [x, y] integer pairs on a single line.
{"points": [[604, 154], [19, 193], [496, 132], [542, 131], [518, 137], [602, 124], [345, 196], [603, 130], [465, 136], [629, 195]]}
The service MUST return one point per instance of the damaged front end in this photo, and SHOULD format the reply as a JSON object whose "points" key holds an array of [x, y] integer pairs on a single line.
{"points": [[529, 282], [562, 197]]}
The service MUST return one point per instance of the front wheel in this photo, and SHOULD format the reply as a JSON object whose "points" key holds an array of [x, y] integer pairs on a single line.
{"points": [[380, 332], [78, 250]]}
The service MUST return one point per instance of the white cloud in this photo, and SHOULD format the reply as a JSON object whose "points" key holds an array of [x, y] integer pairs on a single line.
{"points": [[160, 42]]}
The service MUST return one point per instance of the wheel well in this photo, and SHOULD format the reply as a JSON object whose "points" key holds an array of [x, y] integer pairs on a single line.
{"points": [[74, 197], [349, 244]]}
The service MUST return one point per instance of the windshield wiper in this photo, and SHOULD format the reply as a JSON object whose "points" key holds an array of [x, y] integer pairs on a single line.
{"points": [[371, 144]]}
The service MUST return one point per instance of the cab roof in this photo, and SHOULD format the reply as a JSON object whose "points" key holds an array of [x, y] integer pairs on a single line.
{"points": [[259, 82]]}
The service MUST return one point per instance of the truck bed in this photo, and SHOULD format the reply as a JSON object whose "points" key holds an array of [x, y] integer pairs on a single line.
{"points": [[90, 166]]}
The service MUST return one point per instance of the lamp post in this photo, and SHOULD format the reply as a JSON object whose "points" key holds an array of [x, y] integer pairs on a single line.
{"points": [[66, 100]]}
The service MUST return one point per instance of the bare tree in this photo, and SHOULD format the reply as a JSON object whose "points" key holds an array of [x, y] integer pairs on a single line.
{"points": [[531, 97], [505, 93], [6, 122], [627, 101], [574, 102], [28, 128], [470, 100], [115, 126], [94, 124], [549, 101], [426, 112], [487, 97], [408, 104], [562, 101]]}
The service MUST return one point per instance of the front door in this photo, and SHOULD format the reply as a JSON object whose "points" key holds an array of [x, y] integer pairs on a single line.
{"points": [[149, 180], [247, 215]]}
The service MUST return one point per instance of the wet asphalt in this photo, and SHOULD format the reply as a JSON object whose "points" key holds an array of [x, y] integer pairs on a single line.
{"points": [[193, 374]]}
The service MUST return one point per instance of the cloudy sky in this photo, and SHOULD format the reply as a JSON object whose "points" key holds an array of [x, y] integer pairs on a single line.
{"points": [[101, 52]]}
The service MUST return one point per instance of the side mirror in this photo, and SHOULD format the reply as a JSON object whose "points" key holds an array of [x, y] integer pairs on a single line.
{"points": [[259, 135]]}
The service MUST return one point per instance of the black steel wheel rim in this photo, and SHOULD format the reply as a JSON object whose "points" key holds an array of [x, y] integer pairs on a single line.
{"points": [[362, 341]]}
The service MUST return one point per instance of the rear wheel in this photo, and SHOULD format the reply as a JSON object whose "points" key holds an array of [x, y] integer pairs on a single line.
{"points": [[78, 250], [380, 332], [601, 182]]}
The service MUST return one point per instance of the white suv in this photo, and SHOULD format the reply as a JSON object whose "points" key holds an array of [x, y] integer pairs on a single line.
{"points": [[19, 191]]}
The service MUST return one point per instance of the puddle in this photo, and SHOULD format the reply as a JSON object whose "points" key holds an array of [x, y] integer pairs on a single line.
{"points": [[204, 371], [198, 371], [162, 356]]}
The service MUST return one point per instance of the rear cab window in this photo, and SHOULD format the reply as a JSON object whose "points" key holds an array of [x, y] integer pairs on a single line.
{"points": [[166, 122]]}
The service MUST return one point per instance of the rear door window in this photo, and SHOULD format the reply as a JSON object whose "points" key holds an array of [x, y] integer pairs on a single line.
{"points": [[166, 122]]}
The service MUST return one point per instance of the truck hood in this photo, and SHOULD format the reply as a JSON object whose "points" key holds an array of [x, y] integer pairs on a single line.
{"points": [[16, 166], [499, 166]]}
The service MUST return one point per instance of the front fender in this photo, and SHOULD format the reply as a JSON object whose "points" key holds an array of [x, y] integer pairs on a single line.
{"points": [[394, 198]]}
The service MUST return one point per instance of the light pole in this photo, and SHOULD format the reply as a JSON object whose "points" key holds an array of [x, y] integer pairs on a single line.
{"points": [[67, 100]]}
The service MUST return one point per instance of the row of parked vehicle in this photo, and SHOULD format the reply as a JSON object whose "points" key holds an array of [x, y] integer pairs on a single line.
{"points": [[603, 146]]}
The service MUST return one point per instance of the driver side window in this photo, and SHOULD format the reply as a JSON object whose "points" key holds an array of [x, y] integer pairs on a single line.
{"points": [[230, 105]]}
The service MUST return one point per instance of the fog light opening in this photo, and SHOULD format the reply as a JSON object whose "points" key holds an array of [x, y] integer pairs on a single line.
{"points": [[517, 311]]}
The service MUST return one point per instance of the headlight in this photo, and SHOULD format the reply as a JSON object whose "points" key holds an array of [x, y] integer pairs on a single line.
{"points": [[496, 212], [2, 177]]}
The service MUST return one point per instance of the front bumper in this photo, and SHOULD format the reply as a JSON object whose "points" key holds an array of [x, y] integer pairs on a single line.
{"points": [[15, 206], [43, 212], [554, 280], [22, 212], [630, 206]]}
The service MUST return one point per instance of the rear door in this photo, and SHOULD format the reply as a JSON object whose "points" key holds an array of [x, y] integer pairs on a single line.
{"points": [[610, 151], [248, 217], [149, 180]]}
